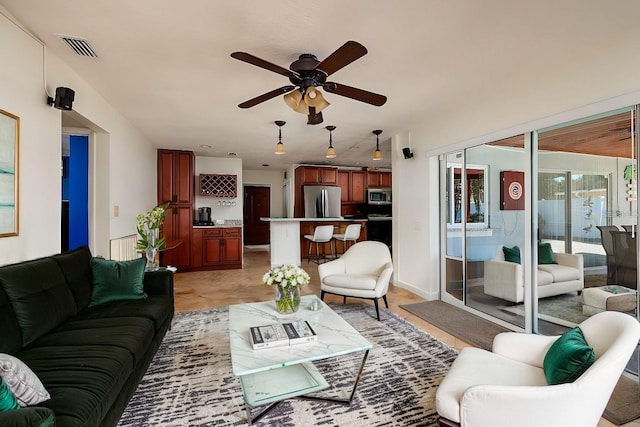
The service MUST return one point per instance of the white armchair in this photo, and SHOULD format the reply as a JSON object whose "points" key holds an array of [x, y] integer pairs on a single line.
{"points": [[363, 271], [508, 387]]}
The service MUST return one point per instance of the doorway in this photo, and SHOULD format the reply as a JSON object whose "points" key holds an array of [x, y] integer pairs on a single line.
{"points": [[257, 204], [75, 192]]}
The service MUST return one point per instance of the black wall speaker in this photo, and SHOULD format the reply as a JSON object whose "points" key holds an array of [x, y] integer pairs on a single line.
{"points": [[64, 98], [407, 153]]}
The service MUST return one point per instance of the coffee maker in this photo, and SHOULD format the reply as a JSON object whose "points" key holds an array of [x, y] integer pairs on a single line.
{"points": [[203, 216]]}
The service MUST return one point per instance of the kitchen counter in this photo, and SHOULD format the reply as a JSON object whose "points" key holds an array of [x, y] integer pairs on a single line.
{"points": [[286, 235]]}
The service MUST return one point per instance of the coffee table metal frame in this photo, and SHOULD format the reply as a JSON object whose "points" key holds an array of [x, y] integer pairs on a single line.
{"points": [[336, 337]]}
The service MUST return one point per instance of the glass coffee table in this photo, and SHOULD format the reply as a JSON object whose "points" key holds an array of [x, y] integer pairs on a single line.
{"points": [[269, 376]]}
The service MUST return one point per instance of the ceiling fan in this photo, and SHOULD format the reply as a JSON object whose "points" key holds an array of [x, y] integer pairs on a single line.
{"points": [[306, 74]]}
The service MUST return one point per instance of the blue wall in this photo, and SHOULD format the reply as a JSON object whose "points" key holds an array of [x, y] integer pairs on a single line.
{"points": [[78, 191]]}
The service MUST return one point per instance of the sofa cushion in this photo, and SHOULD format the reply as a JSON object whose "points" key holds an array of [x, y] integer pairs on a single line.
{"points": [[10, 335], [156, 308], [22, 381], [544, 277], [8, 401], [117, 280], [560, 273], [39, 296], [83, 381], [76, 267], [511, 254], [131, 333], [545, 254], [568, 358], [351, 281]]}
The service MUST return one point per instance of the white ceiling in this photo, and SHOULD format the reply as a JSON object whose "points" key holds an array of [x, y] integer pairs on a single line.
{"points": [[166, 66]]}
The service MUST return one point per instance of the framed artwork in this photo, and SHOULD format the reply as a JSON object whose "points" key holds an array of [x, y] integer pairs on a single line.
{"points": [[9, 142]]}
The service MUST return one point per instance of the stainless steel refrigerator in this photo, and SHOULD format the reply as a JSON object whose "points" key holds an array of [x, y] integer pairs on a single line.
{"points": [[321, 201]]}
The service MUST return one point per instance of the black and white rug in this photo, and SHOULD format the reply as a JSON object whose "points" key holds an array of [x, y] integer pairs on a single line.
{"points": [[190, 381]]}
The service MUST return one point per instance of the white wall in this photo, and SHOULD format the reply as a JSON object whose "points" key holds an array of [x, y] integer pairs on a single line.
{"points": [[220, 165], [273, 179], [125, 170]]}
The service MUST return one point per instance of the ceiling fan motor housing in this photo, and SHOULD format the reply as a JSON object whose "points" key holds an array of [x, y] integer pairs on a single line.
{"points": [[306, 73]]}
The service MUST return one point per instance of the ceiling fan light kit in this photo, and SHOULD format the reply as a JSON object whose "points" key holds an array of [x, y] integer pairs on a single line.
{"points": [[280, 145], [306, 74], [377, 155], [331, 152]]}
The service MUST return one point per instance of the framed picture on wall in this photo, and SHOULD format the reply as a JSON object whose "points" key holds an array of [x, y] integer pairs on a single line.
{"points": [[9, 142]]}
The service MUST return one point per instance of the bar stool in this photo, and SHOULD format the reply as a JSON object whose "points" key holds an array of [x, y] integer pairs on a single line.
{"points": [[321, 234], [350, 235]]}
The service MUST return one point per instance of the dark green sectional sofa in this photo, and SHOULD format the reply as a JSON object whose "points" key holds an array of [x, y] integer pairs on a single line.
{"points": [[90, 359]]}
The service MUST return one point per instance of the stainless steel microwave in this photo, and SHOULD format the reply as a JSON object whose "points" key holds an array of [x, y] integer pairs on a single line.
{"points": [[379, 196]]}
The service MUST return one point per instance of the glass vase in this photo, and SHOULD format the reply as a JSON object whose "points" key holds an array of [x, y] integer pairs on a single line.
{"points": [[151, 253], [287, 299]]}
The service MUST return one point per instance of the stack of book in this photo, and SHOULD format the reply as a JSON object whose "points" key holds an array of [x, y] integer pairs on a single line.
{"points": [[281, 334]]}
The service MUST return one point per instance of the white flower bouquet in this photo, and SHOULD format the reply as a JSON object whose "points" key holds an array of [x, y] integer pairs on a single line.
{"points": [[287, 280]]}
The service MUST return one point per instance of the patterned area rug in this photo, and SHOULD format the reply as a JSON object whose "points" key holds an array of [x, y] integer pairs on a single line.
{"points": [[190, 381]]}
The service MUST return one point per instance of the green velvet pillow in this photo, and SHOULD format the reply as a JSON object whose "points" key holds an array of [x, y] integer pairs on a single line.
{"points": [[545, 254], [8, 401], [568, 358], [511, 254], [116, 280]]}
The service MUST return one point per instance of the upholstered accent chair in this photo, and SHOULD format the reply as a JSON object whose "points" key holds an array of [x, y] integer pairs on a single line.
{"points": [[364, 271], [508, 386]]}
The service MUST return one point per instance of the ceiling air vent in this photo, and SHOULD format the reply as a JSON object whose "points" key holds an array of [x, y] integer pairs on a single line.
{"points": [[79, 46]]}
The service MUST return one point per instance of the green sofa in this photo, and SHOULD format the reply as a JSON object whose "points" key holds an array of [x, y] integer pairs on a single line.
{"points": [[89, 359]]}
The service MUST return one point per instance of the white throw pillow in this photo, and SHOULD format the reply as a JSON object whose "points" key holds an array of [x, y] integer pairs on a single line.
{"points": [[22, 382]]}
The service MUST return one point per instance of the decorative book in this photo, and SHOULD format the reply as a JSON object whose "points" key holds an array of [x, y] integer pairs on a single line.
{"points": [[281, 334]]}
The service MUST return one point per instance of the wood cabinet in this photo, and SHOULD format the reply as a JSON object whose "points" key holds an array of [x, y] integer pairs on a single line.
{"points": [[379, 179], [175, 176], [217, 248], [352, 183], [176, 186]]}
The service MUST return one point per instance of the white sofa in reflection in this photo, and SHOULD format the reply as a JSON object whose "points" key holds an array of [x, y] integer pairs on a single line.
{"points": [[504, 279]]}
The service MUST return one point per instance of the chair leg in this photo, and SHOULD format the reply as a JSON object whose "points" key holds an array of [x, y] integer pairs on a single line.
{"points": [[321, 295], [344, 300], [375, 301], [384, 297]]}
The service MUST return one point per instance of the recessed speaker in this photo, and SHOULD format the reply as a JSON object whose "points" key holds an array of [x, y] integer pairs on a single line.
{"points": [[64, 98], [407, 153]]}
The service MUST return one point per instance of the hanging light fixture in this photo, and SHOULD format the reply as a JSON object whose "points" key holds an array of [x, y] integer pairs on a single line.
{"points": [[331, 152], [308, 101], [377, 155], [280, 145]]}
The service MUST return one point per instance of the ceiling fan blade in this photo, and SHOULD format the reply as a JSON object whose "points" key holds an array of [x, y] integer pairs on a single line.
{"points": [[343, 56], [266, 96], [254, 60], [355, 93]]}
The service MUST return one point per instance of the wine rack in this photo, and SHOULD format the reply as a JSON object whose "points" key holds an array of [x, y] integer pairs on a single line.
{"points": [[218, 185]]}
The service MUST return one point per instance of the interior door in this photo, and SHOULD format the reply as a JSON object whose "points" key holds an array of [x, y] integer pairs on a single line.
{"points": [[257, 204]]}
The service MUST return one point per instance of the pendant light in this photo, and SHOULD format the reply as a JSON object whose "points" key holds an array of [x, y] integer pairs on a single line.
{"points": [[331, 152], [377, 155], [280, 145]]}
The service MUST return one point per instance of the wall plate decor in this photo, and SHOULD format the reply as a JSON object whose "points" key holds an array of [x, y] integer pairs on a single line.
{"points": [[511, 191], [9, 143]]}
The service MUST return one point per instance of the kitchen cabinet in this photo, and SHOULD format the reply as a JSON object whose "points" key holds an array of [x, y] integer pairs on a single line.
{"points": [[316, 175], [217, 248], [352, 184], [176, 229], [378, 179], [176, 187], [175, 176]]}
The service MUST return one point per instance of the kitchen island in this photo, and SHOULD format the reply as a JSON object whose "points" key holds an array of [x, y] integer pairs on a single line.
{"points": [[287, 236]]}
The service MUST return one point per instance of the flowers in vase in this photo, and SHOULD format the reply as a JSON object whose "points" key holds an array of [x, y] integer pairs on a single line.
{"points": [[287, 280], [148, 226]]}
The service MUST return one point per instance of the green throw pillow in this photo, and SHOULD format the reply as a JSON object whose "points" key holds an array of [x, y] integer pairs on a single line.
{"points": [[568, 358], [511, 254], [117, 280], [8, 401], [545, 254]]}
